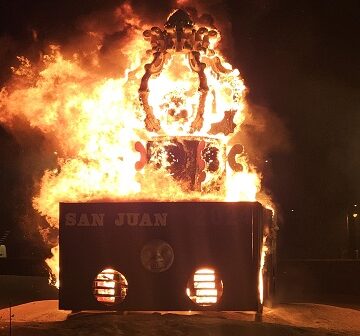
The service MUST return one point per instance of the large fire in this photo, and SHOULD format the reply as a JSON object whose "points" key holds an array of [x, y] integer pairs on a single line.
{"points": [[98, 126]]}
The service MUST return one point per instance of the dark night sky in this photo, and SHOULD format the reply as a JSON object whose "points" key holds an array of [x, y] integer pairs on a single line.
{"points": [[300, 60]]}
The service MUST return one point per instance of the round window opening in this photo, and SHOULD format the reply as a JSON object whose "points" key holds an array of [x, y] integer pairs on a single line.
{"points": [[205, 288], [157, 256], [110, 287]]}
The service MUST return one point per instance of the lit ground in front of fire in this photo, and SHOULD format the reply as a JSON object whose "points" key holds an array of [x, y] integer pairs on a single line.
{"points": [[35, 312], [44, 318]]}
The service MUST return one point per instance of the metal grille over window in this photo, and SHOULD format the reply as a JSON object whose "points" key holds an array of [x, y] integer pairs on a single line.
{"points": [[205, 288], [110, 287]]}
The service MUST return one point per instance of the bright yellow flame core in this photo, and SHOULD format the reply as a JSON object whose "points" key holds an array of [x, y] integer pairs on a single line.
{"points": [[264, 250], [92, 124]]}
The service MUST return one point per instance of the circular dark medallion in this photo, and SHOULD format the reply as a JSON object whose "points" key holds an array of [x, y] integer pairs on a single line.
{"points": [[157, 256]]}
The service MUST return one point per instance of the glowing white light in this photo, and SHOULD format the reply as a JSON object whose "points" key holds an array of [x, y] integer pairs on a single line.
{"points": [[202, 284], [204, 277], [205, 288], [205, 271], [206, 292], [206, 299]]}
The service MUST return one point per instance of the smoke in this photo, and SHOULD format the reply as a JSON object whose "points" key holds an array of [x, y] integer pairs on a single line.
{"points": [[262, 133]]}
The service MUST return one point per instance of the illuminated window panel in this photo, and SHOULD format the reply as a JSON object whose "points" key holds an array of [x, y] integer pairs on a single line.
{"points": [[106, 274], [107, 284], [105, 291], [110, 287], [206, 300], [204, 284], [106, 299], [206, 292], [204, 277], [205, 271], [205, 288]]}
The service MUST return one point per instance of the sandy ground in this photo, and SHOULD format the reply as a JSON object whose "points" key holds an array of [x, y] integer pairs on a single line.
{"points": [[35, 313], [44, 318]]}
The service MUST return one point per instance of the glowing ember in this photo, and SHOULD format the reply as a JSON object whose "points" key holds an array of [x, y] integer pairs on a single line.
{"points": [[182, 88]]}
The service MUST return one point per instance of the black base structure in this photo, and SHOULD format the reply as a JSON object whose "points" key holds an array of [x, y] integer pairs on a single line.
{"points": [[160, 256]]}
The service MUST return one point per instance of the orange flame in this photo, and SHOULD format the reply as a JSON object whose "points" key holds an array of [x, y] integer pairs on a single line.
{"points": [[93, 124]]}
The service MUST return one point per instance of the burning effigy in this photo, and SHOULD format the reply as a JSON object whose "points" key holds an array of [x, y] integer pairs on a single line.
{"points": [[140, 159], [192, 150]]}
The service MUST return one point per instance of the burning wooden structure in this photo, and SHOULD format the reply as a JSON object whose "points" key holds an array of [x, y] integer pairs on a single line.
{"points": [[201, 250], [160, 255]]}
